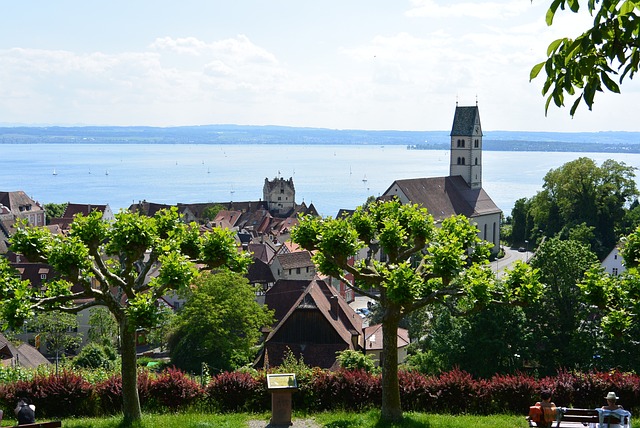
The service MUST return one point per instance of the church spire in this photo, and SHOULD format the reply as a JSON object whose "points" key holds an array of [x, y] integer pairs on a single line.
{"points": [[466, 145]]}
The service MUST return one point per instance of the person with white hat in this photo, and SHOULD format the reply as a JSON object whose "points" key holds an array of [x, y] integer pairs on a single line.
{"points": [[613, 415], [611, 402]]}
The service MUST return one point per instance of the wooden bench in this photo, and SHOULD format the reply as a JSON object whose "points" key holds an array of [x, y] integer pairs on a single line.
{"points": [[579, 418], [53, 424]]}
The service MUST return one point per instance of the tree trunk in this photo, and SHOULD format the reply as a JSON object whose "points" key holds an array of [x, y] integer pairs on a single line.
{"points": [[391, 407], [130, 398]]}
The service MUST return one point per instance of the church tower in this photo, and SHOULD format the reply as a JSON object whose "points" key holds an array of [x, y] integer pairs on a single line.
{"points": [[466, 146]]}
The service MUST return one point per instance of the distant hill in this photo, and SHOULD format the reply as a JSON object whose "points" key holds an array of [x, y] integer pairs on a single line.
{"points": [[240, 134]]}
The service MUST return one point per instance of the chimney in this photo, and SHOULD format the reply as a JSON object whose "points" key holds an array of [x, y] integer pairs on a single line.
{"points": [[334, 307]]}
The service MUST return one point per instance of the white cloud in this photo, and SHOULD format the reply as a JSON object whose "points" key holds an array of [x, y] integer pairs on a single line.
{"points": [[477, 9], [239, 49]]}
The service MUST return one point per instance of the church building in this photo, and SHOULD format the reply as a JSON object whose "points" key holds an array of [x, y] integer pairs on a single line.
{"points": [[461, 191]]}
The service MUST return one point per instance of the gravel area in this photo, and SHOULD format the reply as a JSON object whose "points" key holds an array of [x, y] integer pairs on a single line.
{"points": [[296, 423]]}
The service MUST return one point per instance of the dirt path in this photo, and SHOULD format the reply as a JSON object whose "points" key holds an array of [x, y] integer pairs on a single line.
{"points": [[297, 423]]}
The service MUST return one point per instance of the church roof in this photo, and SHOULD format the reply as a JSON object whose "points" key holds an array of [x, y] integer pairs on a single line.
{"points": [[445, 196], [464, 120]]}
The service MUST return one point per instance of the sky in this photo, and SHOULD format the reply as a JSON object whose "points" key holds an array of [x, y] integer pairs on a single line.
{"points": [[338, 64]]}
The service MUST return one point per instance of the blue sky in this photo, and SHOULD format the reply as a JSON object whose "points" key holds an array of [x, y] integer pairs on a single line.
{"points": [[342, 64]]}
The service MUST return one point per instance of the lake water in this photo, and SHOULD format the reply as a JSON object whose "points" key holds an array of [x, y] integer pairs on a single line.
{"points": [[330, 176]]}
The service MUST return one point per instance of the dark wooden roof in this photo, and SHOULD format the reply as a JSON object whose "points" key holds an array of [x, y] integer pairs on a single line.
{"points": [[259, 272], [445, 196], [287, 297], [464, 120], [18, 202], [84, 209]]}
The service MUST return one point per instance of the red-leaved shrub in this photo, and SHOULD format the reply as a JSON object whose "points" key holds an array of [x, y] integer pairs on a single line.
{"points": [[173, 389], [344, 389], [234, 391], [63, 395]]}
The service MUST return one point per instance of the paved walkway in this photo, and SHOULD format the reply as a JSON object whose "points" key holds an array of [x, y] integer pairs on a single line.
{"points": [[297, 423]]}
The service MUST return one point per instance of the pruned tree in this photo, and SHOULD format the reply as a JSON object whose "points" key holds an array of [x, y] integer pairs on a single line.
{"points": [[108, 264], [425, 264], [604, 53]]}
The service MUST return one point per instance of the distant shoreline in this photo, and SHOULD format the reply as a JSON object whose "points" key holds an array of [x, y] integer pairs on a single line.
{"points": [[583, 142]]}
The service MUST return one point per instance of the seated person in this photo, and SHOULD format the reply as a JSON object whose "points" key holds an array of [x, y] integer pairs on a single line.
{"points": [[548, 410], [25, 412], [614, 420]]}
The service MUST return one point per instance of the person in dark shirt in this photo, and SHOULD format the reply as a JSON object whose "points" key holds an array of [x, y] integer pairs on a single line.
{"points": [[25, 412]]}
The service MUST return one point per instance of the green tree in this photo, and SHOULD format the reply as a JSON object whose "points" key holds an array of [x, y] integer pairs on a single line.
{"points": [[54, 210], [519, 220], [559, 322], [158, 335], [103, 327], [616, 299], [424, 265], [212, 211], [109, 264], [494, 340], [582, 197], [220, 324], [606, 51], [354, 360], [93, 356], [58, 331]]}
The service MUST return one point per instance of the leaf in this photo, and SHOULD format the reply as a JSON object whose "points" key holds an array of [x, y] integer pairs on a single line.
{"points": [[554, 45], [551, 12], [575, 106], [536, 70], [609, 83], [574, 5], [627, 7], [546, 105]]}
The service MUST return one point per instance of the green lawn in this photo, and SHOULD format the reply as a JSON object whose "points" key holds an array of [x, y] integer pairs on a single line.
{"points": [[368, 419]]}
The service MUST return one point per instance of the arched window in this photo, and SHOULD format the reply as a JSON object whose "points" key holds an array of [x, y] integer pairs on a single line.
{"points": [[462, 161], [476, 144], [476, 161], [461, 143]]}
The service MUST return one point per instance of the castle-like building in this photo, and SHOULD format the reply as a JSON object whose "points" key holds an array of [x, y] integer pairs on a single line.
{"points": [[280, 195]]}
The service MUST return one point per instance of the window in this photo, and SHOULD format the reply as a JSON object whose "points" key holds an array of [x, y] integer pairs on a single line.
{"points": [[279, 198], [614, 271], [43, 276], [476, 143], [615, 257], [298, 271], [476, 161]]}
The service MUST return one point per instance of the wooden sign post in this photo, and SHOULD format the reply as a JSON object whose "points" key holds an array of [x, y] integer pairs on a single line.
{"points": [[281, 386]]}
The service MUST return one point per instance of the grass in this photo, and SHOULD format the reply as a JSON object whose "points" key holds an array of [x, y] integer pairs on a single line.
{"points": [[369, 419]]}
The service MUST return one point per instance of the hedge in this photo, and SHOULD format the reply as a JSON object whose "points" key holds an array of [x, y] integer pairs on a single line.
{"points": [[453, 392]]}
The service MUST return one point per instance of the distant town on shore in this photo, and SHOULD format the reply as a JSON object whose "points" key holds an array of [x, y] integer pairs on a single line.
{"points": [[605, 142]]}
